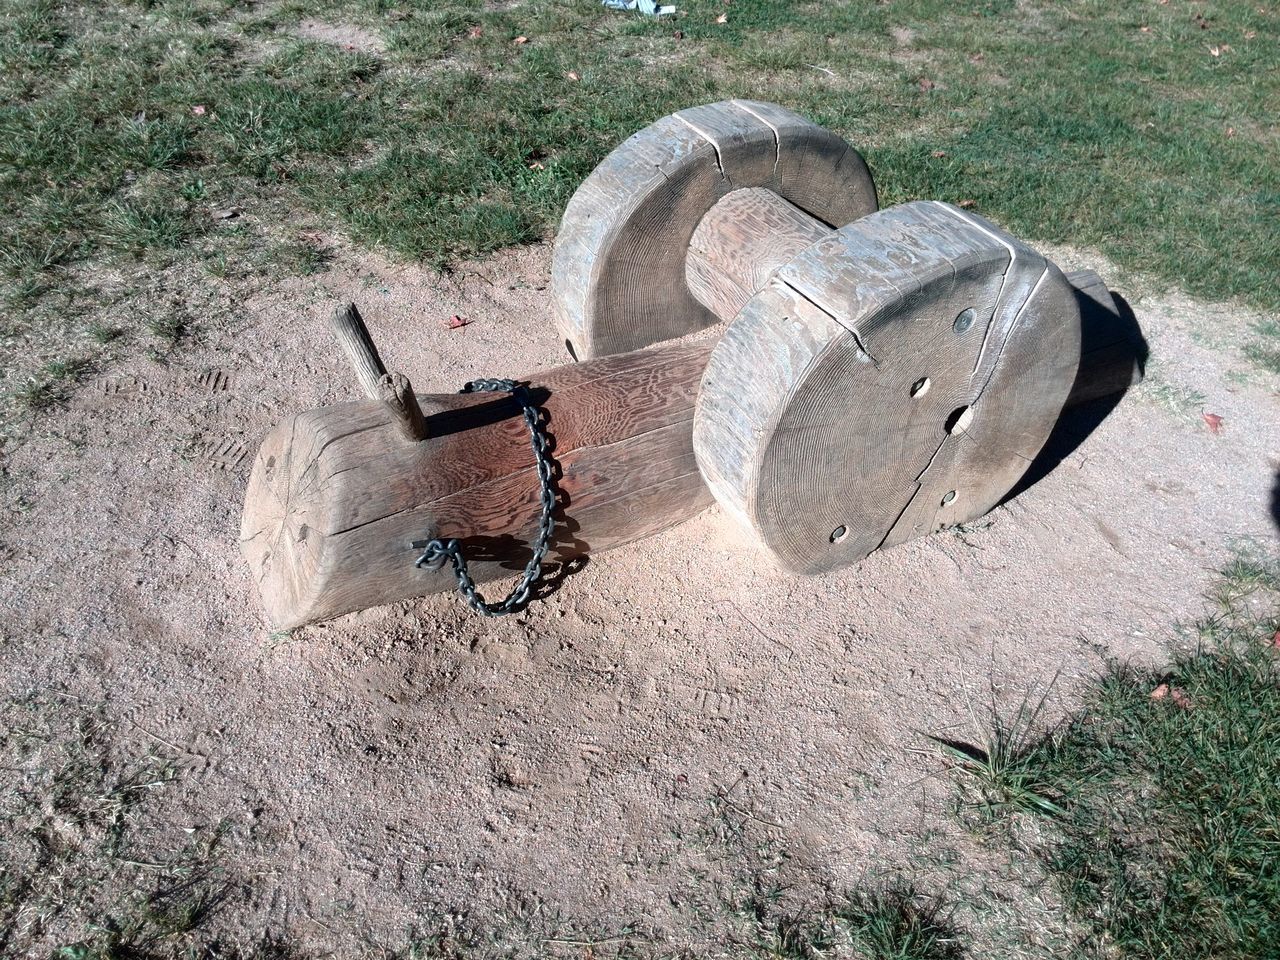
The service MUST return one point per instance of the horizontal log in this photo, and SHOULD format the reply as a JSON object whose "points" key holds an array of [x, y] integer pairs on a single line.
{"points": [[741, 243], [1113, 351], [336, 496], [750, 234]]}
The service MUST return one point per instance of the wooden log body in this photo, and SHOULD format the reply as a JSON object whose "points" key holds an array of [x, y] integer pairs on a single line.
{"points": [[337, 495], [741, 243], [751, 234], [1113, 352]]}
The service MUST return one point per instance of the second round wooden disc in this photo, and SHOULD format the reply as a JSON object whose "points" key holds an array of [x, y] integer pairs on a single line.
{"points": [[618, 272]]}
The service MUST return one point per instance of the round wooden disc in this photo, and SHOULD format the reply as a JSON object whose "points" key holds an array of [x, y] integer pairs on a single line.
{"points": [[618, 272], [896, 378]]}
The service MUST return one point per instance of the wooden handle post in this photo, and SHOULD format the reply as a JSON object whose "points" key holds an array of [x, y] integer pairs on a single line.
{"points": [[348, 326], [393, 390], [396, 393]]}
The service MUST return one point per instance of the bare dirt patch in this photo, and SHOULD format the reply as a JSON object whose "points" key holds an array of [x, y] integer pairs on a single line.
{"points": [[348, 36], [556, 770]]}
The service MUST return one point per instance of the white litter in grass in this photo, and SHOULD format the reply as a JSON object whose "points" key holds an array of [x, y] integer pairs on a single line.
{"points": [[648, 7]]}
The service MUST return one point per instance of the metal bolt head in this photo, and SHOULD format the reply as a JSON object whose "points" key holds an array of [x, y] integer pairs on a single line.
{"points": [[965, 320]]}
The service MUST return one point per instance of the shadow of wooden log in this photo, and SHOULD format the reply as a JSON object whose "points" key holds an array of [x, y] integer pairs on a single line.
{"points": [[1113, 357]]}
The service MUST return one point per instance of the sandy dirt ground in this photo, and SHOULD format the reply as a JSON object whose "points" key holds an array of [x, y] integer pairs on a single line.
{"points": [[555, 766]]}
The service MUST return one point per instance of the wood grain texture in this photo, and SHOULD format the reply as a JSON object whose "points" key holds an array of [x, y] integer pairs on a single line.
{"points": [[831, 416], [348, 326], [740, 243], [618, 271], [829, 420], [396, 394], [336, 496]]}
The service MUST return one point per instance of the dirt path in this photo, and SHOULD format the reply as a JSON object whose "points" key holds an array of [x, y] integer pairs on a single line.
{"points": [[416, 757]]}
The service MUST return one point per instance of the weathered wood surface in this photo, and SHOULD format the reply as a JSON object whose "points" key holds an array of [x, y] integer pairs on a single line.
{"points": [[751, 234], [392, 390], [850, 407], [741, 242], [336, 496], [618, 270], [396, 394], [353, 336]]}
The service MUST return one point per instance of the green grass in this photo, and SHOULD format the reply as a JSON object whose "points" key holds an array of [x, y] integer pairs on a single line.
{"points": [[126, 126], [1165, 840], [1006, 766], [1182, 401], [892, 923], [895, 923], [1265, 351], [53, 383]]}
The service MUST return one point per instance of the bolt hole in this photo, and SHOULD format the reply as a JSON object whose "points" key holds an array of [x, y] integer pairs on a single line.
{"points": [[959, 420], [839, 533], [964, 320], [573, 353], [948, 497], [920, 387]]}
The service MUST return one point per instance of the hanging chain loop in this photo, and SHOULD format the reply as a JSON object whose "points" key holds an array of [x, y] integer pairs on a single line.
{"points": [[435, 552]]}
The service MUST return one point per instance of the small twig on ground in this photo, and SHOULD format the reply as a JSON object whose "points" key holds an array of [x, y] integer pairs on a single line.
{"points": [[158, 739]]}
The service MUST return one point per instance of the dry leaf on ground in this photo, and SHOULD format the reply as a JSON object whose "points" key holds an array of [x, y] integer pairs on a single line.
{"points": [[1179, 696]]}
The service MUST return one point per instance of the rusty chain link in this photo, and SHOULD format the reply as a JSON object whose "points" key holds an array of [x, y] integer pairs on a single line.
{"points": [[435, 552]]}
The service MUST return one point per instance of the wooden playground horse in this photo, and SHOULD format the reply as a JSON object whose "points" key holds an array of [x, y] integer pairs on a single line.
{"points": [[750, 331]]}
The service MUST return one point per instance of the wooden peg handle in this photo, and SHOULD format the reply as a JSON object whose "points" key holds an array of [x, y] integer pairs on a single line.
{"points": [[351, 332], [395, 391]]}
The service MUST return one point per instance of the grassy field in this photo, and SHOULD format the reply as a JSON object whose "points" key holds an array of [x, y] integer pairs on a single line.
{"points": [[164, 144]]}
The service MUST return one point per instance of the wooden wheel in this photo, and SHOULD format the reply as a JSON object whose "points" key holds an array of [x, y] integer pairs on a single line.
{"points": [[619, 266], [895, 378]]}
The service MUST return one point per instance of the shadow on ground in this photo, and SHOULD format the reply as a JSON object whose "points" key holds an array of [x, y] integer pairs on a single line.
{"points": [[1111, 344], [1275, 501]]}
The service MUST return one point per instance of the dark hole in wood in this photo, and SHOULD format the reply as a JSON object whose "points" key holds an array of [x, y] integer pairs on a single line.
{"points": [[959, 419]]}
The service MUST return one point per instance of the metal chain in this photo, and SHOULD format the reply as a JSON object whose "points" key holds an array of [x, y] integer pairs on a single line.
{"points": [[436, 552]]}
